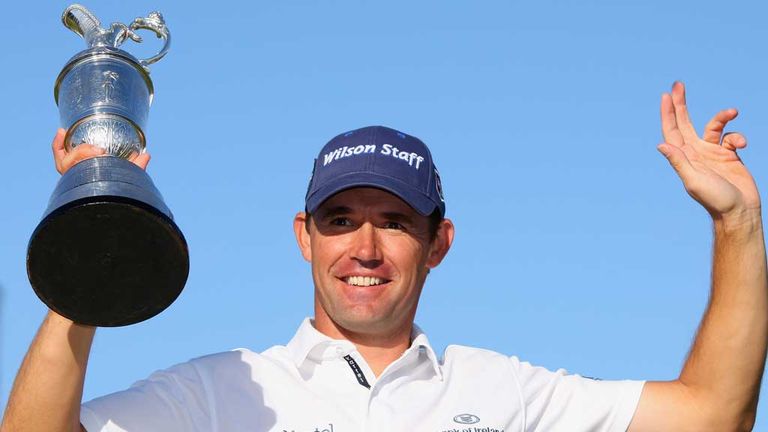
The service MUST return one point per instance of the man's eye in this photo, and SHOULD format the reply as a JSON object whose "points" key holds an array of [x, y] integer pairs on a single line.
{"points": [[340, 221], [394, 225]]}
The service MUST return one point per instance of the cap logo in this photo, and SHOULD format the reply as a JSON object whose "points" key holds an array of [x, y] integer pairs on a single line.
{"points": [[389, 149], [413, 159], [439, 186], [347, 152]]}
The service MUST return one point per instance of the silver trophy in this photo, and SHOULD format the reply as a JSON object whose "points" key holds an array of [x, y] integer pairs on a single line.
{"points": [[104, 93], [107, 251]]}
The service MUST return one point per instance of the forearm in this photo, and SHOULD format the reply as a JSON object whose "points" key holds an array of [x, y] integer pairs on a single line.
{"points": [[725, 365], [49, 386]]}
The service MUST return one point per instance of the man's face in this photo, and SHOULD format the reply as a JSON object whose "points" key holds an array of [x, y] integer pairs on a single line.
{"points": [[370, 254]]}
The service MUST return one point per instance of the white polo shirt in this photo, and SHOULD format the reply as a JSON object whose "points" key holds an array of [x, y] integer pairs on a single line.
{"points": [[317, 384]]}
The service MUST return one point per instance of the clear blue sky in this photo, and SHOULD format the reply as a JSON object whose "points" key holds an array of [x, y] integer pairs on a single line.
{"points": [[576, 245]]}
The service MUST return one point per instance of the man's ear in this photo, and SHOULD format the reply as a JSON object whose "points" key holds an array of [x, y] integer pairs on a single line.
{"points": [[302, 235], [441, 244]]}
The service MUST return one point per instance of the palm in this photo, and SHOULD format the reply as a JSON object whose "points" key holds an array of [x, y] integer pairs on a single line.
{"points": [[712, 173]]}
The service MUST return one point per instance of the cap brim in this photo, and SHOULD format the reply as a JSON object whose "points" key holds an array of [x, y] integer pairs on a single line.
{"points": [[413, 197]]}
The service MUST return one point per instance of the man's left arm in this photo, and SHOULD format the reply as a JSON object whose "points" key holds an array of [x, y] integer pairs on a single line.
{"points": [[719, 384]]}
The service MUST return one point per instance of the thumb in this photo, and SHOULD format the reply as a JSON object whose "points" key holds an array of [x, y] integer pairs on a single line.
{"points": [[734, 141], [677, 159], [142, 160]]}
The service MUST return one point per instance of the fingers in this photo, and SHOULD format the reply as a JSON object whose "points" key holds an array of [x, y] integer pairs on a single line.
{"points": [[678, 160], [681, 113], [678, 129], [87, 151], [63, 159], [669, 127], [142, 160], [734, 141], [78, 154], [713, 131], [58, 148]]}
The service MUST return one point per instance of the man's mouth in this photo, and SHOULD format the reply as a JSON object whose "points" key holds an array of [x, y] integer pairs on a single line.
{"points": [[364, 281]]}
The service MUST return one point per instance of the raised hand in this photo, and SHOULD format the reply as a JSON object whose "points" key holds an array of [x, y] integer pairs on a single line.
{"points": [[709, 167], [65, 160]]}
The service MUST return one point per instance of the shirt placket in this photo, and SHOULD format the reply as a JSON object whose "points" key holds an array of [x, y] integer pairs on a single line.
{"points": [[375, 421], [347, 378]]}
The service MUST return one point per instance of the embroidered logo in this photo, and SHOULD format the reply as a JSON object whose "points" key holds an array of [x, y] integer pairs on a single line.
{"points": [[466, 419], [439, 186], [413, 160]]}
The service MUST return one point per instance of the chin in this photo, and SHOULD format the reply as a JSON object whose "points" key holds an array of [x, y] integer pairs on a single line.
{"points": [[363, 321]]}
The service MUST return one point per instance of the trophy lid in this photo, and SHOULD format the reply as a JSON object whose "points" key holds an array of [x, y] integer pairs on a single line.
{"points": [[81, 21], [105, 42]]}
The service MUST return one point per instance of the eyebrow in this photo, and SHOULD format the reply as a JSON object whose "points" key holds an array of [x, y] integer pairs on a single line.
{"points": [[398, 217], [344, 210], [334, 211]]}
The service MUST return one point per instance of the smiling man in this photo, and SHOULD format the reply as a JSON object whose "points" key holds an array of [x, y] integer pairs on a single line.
{"points": [[373, 228]]}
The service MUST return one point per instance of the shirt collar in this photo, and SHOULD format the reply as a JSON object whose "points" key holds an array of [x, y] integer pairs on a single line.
{"points": [[309, 340], [420, 340]]}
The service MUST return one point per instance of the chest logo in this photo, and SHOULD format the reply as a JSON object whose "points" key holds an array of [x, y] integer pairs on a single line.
{"points": [[466, 419]]}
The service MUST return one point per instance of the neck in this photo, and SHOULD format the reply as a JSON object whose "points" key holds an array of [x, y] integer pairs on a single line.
{"points": [[378, 350]]}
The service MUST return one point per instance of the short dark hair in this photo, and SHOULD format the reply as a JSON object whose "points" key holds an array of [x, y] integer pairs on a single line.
{"points": [[435, 218]]}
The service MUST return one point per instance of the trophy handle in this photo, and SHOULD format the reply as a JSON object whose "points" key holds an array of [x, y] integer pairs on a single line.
{"points": [[81, 21], [155, 23]]}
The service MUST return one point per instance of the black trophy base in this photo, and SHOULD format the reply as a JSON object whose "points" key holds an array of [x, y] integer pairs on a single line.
{"points": [[107, 263], [107, 252]]}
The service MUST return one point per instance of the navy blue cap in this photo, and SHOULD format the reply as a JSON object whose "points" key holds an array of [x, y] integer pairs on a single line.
{"points": [[379, 157]]}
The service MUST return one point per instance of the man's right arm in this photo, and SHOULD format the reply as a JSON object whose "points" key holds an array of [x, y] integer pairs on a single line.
{"points": [[48, 389], [49, 386]]}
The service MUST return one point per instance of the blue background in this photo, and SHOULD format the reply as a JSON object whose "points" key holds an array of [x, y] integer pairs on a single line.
{"points": [[576, 245]]}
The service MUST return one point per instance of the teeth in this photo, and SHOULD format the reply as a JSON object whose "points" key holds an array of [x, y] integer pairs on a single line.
{"points": [[364, 281]]}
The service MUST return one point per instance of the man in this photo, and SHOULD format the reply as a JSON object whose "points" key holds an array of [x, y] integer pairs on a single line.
{"points": [[373, 229]]}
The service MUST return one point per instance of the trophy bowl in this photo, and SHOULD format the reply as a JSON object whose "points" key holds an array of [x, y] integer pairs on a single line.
{"points": [[104, 96]]}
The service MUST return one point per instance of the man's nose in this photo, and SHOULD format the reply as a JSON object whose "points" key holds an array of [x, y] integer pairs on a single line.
{"points": [[366, 249]]}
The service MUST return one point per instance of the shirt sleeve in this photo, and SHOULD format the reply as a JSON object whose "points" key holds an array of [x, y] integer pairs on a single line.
{"points": [[169, 400], [557, 401]]}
